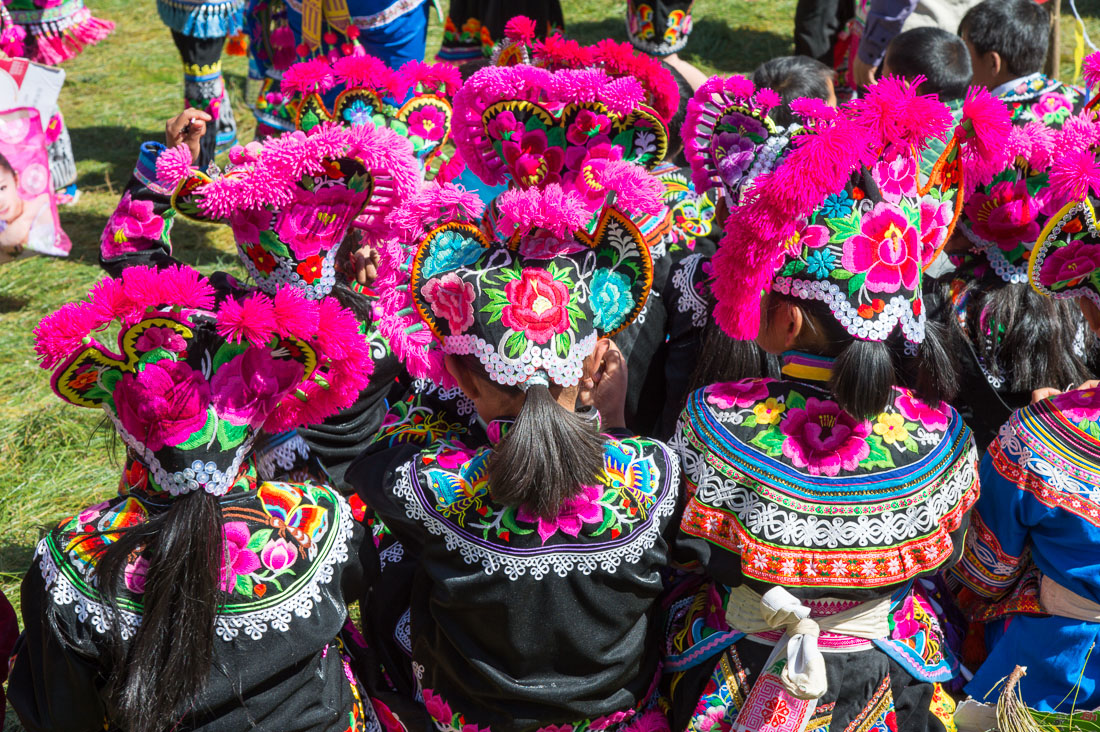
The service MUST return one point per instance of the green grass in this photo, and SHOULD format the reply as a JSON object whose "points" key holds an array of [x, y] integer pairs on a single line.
{"points": [[55, 458]]}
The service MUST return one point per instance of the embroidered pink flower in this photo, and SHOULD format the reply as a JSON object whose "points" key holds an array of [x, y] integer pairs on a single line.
{"points": [[823, 438], [905, 625], [438, 709], [586, 166], [915, 410], [91, 513], [736, 394], [536, 305], [160, 337], [532, 160], [586, 126], [162, 405], [503, 126], [811, 236], [896, 178], [278, 554], [247, 224], [318, 220], [454, 459], [132, 227], [935, 218], [247, 389], [428, 122], [1069, 263], [134, 575], [1080, 406], [1006, 215], [583, 508], [544, 245], [452, 300], [1052, 108], [237, 558], [887, 249]]}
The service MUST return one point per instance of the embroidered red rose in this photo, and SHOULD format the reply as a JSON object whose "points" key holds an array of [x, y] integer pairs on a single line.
{"points": [[536, 305], [261, 259], [311, 269], [452, 300]]}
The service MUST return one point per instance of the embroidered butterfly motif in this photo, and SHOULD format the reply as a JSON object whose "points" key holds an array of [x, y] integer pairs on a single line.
{"points": [[283, 504]]}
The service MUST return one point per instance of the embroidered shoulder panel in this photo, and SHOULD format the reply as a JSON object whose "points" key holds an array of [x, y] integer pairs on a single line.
{"points": [[447, 491], [284, 542], [1045, 100], [429, 415], [1052, 450], [810, 496]]}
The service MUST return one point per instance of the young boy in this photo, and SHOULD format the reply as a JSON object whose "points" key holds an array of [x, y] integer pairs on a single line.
{"points": [[793, 77]]}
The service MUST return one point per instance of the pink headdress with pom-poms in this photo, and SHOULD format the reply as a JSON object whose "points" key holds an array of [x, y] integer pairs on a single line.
{"points": [[619, 60], [292, 200], [199, 371]]}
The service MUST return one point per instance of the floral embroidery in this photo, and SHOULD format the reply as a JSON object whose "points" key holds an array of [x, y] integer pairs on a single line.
{"points": [[237, 558], [535, 163], [536, 304], [450, 250], [914, 409], [428, 122], [311, 269], [732, 394], [891, 427], [452, 299], [133, 226], [243, 399], [769, 411], [823, 438], [317, 220], [165, 338], [613, 296], [583, 508], [1079, 405], [166, 403], [887, 249]]}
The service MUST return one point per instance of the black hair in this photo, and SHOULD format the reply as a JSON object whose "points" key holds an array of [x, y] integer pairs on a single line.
{"points": [[1018, 30], [156, 675], [722, 359], [793, 77], [547, 455], [6, 165], [865, 373], [1025, 340], [676, 124], [939, 56]]}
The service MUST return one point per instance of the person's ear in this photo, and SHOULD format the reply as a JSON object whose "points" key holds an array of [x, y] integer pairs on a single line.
{"points": [[466, 381], [995, 62], [794, 321], [1091, 313]]}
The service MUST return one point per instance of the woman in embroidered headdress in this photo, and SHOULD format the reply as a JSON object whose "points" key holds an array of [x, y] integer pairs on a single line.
{"points": [[200, 596], [1029, 570], [817, 501], [538, 556]]}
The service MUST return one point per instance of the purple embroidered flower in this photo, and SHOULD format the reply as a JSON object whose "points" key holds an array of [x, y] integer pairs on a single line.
{"points": [[532, 160], [1069, 263], [134, 575], [248, 224], [132, 227], [736, 394], [249, 387], [733, 155], [583, 508], [237, 558], [318, 220], [160, 337], [1080, 406], [164, 404], [917, 411], [887, 249], [823, 438], [428, 122], [438, 709], [503, 126], [587, 126], [278, 554], [742, 124], [896, 178]]}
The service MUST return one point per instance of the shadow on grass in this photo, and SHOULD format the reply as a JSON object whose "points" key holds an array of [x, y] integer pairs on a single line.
{"points": [[713, 41], [115, 146], [12, 303], [17, 552], [191, 243]]}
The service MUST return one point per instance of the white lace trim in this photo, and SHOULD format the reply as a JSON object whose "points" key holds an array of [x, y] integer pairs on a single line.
{"points": [[463, 404], [227, 627], [897, 310], [402, 632], [281, 458], [392, 554], [1019, 447], [689, 300], [560, 562], [511, 371]]}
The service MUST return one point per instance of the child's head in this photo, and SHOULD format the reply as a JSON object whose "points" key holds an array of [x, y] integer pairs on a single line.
{"points": [[1007, 39], [11, 203], [793, 77], [940, 57]]}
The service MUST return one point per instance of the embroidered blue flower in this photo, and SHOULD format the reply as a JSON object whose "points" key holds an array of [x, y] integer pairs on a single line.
{"points": [[820, 263], [612, 299], [450, 251], [358, 113], [837, 205]]}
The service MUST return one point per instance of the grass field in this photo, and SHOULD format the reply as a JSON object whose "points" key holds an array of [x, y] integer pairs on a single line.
{"points": [[55, 458]]}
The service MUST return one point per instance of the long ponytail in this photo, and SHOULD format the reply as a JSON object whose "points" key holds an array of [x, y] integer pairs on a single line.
{"points": [[157, 674], [547, 456]]}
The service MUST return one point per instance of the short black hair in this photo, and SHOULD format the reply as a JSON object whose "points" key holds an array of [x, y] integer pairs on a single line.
{"points": [[1018, 30], [938, 56], [793, 77]]}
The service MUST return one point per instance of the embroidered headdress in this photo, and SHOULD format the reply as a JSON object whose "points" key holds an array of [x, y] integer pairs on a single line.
{"points": [[199, 370], [844, 218], [659, 27], [361, 86], [292, 200]]}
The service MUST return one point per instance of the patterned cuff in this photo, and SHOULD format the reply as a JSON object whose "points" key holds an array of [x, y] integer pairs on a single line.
{"points": [[146, 169]]}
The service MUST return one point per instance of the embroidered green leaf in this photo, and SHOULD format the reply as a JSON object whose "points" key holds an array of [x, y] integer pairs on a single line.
{"points": [[508, 274], [515, 344], [750, 421], [357, 183], [108, 378], [841, 274], [879, 456], [494, 309], [855, 284], [793, 267], [1036, 183], [608, 520], [226, 352], [270, 242], [96, 394], [795, 401], [306, 182], [243, 585], [231, 435], [157, 354], [561, 344], [770, 441], [1094, 430], [256, 541], [396, 125], [843, 229], [624, 140], [555, 137], [1009, 174], [203, 436], [911, 445], [309, 120], [508, 520], [912, 213], [911, 426]]}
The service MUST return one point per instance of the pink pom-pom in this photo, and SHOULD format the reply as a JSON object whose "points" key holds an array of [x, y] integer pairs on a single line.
{"points": [[1090, 69], [737, 86], [558, 211], [309, 77], [295, 315], [63, 333], [432, 205], [440, 78], [556, 52], [813, 110], [184, 287], [1073, 175], [520, 29], [983, 134], [653, 720], [767, 99], [110, 301], [174, 165], [251, 319], [363, 71], [892, 113], [635, 189]]}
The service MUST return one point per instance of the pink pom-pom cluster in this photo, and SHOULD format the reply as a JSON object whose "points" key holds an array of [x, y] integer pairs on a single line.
{"points": [[621, 60], [520, 29], [556, 52], [365, 72], [983, 137], [893, 113], [314, 76], [438, 78], [559, 211], [1074, 169], [174, 165], [1090, 69]]}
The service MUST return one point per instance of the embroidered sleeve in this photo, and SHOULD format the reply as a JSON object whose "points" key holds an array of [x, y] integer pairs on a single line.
{"points": [[138, 231]]}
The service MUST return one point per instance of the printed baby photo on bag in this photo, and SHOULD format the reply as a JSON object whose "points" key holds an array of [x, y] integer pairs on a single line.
{"points": [[28, 209]]}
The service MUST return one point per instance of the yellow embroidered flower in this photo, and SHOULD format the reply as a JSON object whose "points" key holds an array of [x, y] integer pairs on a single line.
{"points": [[892, 428], [768, 411]]}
